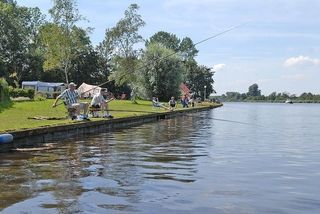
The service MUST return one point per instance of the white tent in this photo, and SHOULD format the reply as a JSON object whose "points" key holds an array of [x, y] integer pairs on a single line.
{"points": [[87, 91]]}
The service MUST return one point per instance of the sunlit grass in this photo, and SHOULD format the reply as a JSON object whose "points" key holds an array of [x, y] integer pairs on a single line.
{"points": [[16, 116]]}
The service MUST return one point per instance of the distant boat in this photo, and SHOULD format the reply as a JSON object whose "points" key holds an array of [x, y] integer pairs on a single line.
{"points": [[288, 101]]}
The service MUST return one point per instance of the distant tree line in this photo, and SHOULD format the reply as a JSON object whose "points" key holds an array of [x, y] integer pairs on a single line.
{"points": [[254, 95], [34, 48]]}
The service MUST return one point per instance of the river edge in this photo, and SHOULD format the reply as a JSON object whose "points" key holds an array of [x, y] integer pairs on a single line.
{"points": [[40, 136]]}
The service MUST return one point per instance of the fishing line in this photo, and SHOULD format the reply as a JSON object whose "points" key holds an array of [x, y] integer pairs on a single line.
{"points": [[224, 120], [167, 56]]}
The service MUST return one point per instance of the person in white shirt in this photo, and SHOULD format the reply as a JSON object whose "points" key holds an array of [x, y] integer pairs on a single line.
{"points": [[98, 101]]}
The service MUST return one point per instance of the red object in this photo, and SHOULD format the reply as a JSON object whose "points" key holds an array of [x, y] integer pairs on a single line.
{"points": [[123, 96], [185, 89]]}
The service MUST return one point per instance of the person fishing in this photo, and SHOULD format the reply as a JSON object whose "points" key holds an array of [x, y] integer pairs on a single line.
{"points": [[98, 101], [70, 97], [172, 104]]}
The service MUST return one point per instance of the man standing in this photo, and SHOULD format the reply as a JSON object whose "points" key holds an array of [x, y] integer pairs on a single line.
{"points": [[70, 97]]}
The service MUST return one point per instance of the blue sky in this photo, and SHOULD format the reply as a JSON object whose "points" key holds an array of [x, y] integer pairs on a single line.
{"points": [[278, 48]]}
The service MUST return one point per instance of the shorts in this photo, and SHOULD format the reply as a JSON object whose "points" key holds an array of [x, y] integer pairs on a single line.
{"points": [[77, 105], [95, 106]]}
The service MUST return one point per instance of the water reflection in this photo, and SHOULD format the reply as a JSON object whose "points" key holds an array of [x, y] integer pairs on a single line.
{"points": [[268, 163], [105, 171]]}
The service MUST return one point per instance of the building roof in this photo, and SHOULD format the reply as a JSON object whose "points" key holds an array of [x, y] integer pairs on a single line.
{"points": [[42, 84]]}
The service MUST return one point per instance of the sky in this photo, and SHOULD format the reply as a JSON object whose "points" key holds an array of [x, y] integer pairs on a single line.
{"points": [[277, 45]]}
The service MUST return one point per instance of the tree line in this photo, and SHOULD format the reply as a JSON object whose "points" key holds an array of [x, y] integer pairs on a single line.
{"points": [[34, 48], [254, 95]]}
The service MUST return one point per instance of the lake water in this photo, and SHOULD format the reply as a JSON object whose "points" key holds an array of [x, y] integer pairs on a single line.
{"points": [[241, 158]]}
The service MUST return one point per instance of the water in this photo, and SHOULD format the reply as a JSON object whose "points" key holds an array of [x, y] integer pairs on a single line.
{"points": [[241, 158]]}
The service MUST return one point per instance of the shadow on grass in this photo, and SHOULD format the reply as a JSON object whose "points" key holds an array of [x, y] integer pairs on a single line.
{"points": [[5, 105]]}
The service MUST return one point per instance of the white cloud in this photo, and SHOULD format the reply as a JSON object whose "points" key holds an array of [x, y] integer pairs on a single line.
{"points": [[295, 77], [218, 67], [301, 61]]}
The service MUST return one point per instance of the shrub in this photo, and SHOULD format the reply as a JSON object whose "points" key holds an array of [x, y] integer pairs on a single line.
{"points": [[4, 91], [17, 92]]}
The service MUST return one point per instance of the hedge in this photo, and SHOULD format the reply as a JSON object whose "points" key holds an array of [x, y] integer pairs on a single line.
{"points": [[17, 92]]}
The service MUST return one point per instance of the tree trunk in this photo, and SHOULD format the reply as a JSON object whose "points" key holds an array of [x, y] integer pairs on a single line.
{"points": [[66, 73]]}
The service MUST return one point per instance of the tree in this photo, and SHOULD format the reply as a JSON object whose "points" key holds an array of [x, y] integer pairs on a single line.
{"points": [[184, 48], [160, 78], [122, 39], [58, 38], [254, 91], [166, 39], [187, 49], [19, 52], [199, 78], [272, 96], [4, 93]]}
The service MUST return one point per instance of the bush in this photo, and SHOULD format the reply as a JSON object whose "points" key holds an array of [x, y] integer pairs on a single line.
{"points": [[40, 96], [4, 91], [17, 92]]}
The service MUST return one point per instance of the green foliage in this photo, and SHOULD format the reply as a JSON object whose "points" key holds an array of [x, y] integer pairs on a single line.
{"points": [[32, 49], [199, 78], [65, 13], [184, 48], [61, 38], [122, 39], [17, 92], [254, 91], [159, 77], [40, 97], [19, 56], [4, 91], [273, 97], [166, 39]]}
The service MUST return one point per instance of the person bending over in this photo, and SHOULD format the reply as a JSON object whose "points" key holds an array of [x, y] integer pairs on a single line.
{"points": [[98, 101], [70, 97]]}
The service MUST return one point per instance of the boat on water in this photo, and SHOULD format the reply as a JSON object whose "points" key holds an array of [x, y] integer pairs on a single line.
{"points": [[288, 101]]}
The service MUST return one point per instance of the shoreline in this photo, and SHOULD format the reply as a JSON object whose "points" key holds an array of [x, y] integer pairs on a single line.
{"points": [[42, 135]]}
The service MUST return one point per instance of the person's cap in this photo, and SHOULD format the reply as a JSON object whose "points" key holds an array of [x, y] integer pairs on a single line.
{"points": [[72, 84]]}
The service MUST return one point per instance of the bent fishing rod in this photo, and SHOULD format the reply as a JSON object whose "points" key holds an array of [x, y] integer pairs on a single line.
{"points": [[171, 54]]}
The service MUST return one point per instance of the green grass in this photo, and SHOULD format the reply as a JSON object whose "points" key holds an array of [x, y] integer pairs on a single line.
{"points": [[15, 116]]}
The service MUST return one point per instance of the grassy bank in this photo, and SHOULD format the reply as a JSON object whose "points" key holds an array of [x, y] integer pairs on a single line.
{"points": [[17, 115]]}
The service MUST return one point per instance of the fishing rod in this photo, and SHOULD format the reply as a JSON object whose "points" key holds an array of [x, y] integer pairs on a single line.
{"points": [[88, 90], [224, 120], [171, 54]]}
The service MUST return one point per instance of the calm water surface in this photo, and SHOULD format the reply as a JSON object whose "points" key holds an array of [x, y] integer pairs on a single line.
{"points": [[241, 158]]}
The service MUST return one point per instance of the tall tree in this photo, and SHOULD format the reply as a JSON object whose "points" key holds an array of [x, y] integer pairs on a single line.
{"points": [[254, 91], [19, 53], [122, 39], [57, 37], [159, 77], [187, 49], [166, 39]]}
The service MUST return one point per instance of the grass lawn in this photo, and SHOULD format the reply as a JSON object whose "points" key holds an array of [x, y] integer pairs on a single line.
{"points": [[16, 116]]}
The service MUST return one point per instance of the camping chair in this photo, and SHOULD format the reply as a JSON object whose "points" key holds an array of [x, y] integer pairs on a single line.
{"points": [[72, 113], [95, 112], [155, 104]]}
